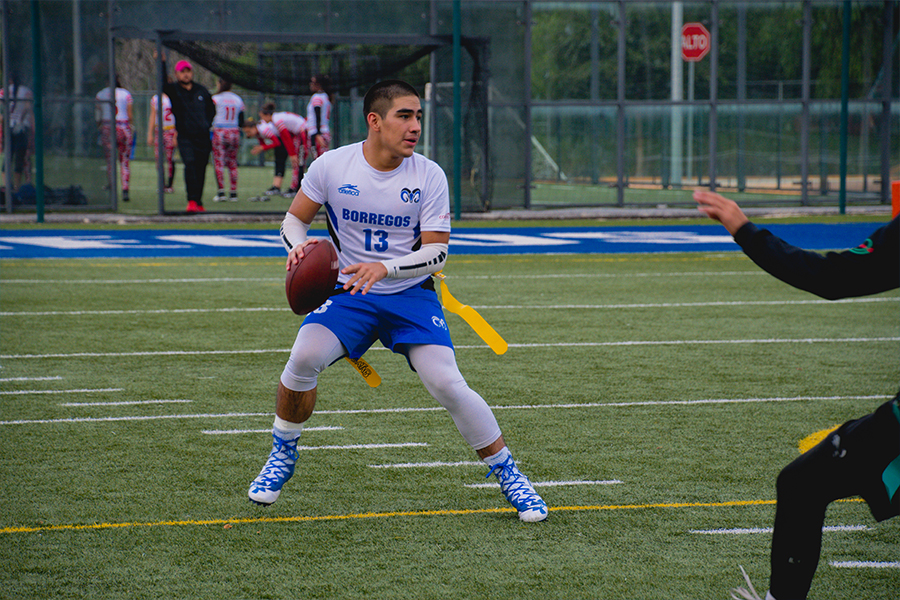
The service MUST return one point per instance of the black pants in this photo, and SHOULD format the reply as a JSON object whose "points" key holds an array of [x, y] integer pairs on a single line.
{"points": [[850, 461], [195, 155]]}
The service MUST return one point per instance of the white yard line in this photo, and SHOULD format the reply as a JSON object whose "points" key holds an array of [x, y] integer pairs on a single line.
{"points": [[864, 564], [645, 305], [82, 391], [372, 411], [125, 403], [549, 483], [430, 465], [269, 430], [469, 347], [757, 530]]}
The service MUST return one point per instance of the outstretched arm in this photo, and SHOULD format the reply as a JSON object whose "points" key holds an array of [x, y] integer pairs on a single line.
{"points": [[870, 268]]}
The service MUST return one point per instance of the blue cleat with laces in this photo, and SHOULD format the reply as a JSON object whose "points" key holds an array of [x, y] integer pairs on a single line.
{"points": [[266, 488], [519, 491]]}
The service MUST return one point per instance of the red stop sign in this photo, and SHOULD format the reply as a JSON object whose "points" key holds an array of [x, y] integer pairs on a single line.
{"points": [[694, 42]]}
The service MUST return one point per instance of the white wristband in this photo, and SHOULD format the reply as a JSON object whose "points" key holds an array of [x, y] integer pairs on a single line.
{"points": [[428, 259], [293, 231]]}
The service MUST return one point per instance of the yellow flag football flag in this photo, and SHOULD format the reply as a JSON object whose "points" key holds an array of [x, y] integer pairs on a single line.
{"points": [[471, 316], [366, 370]]}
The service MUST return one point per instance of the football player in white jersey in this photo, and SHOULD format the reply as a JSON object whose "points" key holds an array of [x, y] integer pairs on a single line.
{"points": [[170, 137], [21, 126], [318, 116], [226, 140], [388, 212], [286, 134], [121, 124]]}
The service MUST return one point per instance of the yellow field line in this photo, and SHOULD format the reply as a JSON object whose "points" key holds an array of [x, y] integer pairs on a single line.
{"points": [[419, 513], [382, 515]]}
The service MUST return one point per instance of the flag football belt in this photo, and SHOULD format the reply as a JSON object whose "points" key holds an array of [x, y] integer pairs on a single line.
{"points": [[468, 314]]}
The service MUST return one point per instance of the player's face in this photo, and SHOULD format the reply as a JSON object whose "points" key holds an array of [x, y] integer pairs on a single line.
{"points": [[184, 75], [402, 125]]}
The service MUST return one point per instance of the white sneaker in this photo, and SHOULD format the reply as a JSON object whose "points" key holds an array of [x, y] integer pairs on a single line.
{"points": [[518, 490], [220, 197], [266, 488]]}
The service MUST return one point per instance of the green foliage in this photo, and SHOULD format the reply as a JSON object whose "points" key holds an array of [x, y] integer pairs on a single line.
{"points": [[583, 332]]}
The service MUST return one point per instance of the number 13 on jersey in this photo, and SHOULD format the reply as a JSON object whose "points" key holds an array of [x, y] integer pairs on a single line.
{"points": [[378, 237]]}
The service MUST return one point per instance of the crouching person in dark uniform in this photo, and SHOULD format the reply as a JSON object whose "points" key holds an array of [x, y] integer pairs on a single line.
{"points": [[862, 456]]}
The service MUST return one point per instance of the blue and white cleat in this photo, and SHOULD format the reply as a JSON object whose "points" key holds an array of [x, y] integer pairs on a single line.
{"points": [[266, 488], [519, 491]]}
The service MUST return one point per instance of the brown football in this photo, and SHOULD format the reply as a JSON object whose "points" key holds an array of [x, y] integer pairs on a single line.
{"points": [[309, 284]]}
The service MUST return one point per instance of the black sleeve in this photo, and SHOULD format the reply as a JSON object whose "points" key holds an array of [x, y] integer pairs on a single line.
{"points": [[241, 119], [870, 268], [210, 109]]}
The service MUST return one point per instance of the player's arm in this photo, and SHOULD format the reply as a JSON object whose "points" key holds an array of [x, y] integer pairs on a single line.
{"points": [[296, 225], [287, 140], [151, 124], [871, 268]]}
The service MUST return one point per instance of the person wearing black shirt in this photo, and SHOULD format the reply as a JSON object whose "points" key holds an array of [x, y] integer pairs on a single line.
{"points": [[194, 110], [862, 456]]}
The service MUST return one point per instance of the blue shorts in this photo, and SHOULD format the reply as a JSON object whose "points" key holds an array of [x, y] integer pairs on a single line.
{"points": [[413, 316]]}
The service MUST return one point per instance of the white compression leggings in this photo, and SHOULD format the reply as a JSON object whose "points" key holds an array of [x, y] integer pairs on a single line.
{"points": [[316, 347]]}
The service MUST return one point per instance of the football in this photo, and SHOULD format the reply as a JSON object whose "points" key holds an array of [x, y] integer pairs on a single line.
{"points": [[309, 284]]}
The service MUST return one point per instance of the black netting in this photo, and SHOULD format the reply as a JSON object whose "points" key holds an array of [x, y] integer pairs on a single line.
{"points": [[285, 69]]}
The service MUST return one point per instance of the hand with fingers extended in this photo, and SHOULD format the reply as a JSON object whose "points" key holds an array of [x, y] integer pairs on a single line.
{"points": [[721, 209], [365, 275]]}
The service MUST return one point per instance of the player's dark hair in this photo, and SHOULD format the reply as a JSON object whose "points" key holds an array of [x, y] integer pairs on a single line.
{"points": [[381, 96], [223, 86], [324, 82], [267, 109]]}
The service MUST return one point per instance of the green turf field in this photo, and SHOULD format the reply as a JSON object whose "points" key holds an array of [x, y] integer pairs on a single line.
{"points": [[655, 396]]}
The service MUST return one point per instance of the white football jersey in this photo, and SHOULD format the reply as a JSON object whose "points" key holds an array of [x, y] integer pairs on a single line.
{"points": [[20, 108], [123, 101], [320, 100], [228, 107], [375, 215], [290, 121], [266, 130], [168, 117]]}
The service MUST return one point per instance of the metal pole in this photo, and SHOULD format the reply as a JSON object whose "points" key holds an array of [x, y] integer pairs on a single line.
{"points": [[741, 93], [804, 103], [7, 144], [38, 90], [845, 95], [160, 136], [111, 163], [676, 142], [595, 91], [527, 107], [77, 76], [620, 109], [886, 87], [713, 92], [457, 112]]}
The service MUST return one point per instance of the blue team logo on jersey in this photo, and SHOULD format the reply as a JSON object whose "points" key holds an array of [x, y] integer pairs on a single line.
{"points": [[349, 189], [410, 196]]}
